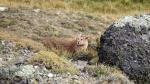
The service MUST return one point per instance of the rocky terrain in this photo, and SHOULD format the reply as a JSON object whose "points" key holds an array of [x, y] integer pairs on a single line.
{"points": [[24, 60], [16, 70]]}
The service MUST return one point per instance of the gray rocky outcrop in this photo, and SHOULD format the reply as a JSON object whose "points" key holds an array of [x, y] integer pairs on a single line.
{"points": [[126, 43]]}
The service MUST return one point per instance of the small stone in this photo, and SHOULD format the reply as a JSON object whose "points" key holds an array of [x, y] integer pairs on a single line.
{"points": [[36, 67], [3, 8], [50, 75], [1, 59], [68, 74], [36, 10], [75, 77]]}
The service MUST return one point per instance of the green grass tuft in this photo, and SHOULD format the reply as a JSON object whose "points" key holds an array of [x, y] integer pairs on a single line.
{"points": [[106, 72], [53, 62], [7, 22]]}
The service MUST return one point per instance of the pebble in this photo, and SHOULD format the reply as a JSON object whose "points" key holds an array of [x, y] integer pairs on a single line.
{"points": [[50, 75], [3, 8], [36, 10]]}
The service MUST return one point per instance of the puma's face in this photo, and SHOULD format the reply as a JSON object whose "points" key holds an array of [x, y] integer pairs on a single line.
{"points": [[81, 40]]}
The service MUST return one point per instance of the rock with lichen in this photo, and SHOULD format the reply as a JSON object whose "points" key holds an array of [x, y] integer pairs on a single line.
{"points": [[126, 44]]}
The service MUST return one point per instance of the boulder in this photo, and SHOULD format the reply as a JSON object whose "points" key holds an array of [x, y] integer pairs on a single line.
{"points": [[126, 44]]}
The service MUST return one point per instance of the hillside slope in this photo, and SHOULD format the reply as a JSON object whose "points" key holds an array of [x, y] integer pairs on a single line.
{"points": [[25, 60], [32, 23]]}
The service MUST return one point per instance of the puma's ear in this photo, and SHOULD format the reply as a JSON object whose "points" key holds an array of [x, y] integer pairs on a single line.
{"points": [[78, 36]]}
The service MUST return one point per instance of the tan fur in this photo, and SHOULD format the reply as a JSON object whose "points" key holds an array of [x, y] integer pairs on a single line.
{"points": [[79, 43]]}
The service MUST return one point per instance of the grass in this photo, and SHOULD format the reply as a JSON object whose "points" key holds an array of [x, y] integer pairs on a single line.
{"points": [[62, 53], [21, 41], [107, 72], [115, 7], [25, 42], [90, 55], [53, 62], [5, 22]]}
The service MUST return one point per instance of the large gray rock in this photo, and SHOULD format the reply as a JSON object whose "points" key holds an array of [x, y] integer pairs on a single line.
{"points": [[126, 43]]}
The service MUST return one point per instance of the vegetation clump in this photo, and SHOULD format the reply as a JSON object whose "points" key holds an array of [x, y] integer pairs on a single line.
{"points": [[21, 41], [53, 62], [107, 72], [7, 22]]}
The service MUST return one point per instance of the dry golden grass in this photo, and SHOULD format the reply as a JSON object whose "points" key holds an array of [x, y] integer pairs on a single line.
{"points": [[21, 41], [107, 7], [25, 42], [62, 53]]}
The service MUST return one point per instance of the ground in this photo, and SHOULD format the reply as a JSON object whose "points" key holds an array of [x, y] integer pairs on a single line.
{"points": [[21, 31]]}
